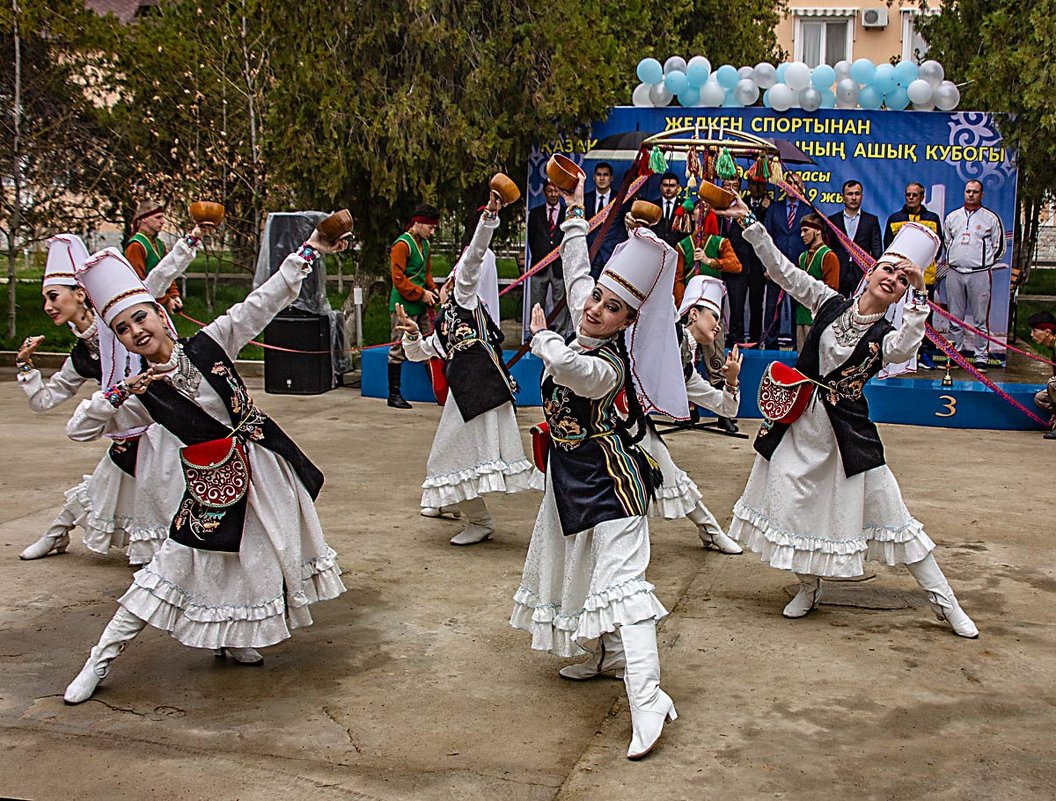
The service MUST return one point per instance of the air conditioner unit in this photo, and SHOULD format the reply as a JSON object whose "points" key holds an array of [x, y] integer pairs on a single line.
{"points": [[874, 18]]}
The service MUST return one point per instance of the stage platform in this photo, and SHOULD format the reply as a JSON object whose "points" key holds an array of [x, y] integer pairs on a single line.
{"points": [[910, 401]]}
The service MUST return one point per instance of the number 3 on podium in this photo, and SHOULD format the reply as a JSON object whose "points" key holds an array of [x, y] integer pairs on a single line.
{"points": [[950, 406]]}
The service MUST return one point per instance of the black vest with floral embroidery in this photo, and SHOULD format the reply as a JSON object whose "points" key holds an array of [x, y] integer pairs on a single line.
{"points": [[475, 370], [856, 435]]}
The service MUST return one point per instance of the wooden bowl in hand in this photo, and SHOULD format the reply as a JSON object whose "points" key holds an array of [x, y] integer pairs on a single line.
{"points": [[505, 187], [645, 212], [563, 172], [336, 226], [206, 214], [716, 196]]}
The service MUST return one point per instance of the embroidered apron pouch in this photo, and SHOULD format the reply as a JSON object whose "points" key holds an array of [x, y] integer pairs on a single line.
{"points": [[784, 393], [438, 378], [540, 445], [213, 508]]}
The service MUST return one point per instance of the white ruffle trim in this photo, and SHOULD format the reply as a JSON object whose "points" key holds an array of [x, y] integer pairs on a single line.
{"points": [[673, 501], [168, 607], [562, 632], [144, 542], [787, 550], [496, 476], [100, 533]]}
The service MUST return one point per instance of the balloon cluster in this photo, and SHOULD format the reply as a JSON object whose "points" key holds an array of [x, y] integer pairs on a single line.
{"points": [[848, 85]]}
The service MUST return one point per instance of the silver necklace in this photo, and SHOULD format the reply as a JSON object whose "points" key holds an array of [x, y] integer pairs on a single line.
{"points": [[850, 326], [180, 371]]}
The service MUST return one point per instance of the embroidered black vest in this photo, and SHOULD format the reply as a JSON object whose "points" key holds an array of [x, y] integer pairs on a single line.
{"points": [[598, 474], [856, 435], [476, 373], [192, 425]]}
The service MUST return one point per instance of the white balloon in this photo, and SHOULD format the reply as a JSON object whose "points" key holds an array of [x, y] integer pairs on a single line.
{"points": [[781, 97], [746, 72], [919, 92], [947, 96], [746, 91], [659, 95], [711, 94], [843, 70], [674, 63], [640, 96], [765, 75], [923, 106], [847, 91], [932, 72], [810, 99], [797, 75], [847, 104]]}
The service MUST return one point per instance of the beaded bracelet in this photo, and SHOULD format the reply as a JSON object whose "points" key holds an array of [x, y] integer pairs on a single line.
{"points": [[748, 219], [192, 240], [24, 368], [308, 253], [117, 394], [577, 212], [918, 297], [489, 216]]}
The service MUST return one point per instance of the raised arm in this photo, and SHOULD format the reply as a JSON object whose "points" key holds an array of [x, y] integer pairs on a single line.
{"points": [[586, 376], [467, 275], [806, 290], [901, 344], [722, 402], [95, 417], [172, 266], [62, 385]]}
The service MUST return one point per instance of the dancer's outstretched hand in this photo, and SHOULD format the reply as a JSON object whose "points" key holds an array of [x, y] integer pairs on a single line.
{"points": [[538, 322], [405, 323], [732, 368], [29, 344], [737, 210]]}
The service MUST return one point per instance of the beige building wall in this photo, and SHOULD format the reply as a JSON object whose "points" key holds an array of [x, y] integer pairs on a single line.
{"points": [[826, 33]]}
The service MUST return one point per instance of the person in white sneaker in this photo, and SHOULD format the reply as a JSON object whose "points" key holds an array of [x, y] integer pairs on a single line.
{"points": [[820, 499], [477, 448]]}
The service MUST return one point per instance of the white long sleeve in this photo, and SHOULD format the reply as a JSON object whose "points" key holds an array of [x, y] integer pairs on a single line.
{"points": [[245, 320], [586, 376], [95, 417], [719, 401], [901, 344], [422, 349], [575, 264], [467, 277], [62, 385], [805, 289], [169, 268]]}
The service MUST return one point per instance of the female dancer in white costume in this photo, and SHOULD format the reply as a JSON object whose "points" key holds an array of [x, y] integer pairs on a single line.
{"points": [[245, 555], [820, 499], [112, 508]]}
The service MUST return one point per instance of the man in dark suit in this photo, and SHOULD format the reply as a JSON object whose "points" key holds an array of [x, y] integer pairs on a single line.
{"points": [[544, 234], [668, 203], [594, 201], [737, 283], [782, 222], [862, 228], [759, 202]]}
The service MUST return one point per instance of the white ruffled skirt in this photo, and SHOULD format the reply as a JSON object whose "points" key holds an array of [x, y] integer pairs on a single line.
{"points": [[801, 512], [249, 599], [678, 495], [470, 459], [574, 589]]}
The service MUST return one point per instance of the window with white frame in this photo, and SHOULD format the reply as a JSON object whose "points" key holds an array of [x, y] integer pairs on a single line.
{"points": [[823, 35], [914, 47]]}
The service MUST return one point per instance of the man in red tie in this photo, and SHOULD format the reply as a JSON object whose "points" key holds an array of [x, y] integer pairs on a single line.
{"points": [[544, 234]]}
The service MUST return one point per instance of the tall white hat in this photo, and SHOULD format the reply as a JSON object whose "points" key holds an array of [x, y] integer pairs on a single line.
{"points": [[641, 272], [66, 256], [914, 242], [112, 284], [706, 291]]}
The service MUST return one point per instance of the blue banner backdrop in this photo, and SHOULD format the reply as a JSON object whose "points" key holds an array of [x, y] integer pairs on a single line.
{"points": [[884, 150]]}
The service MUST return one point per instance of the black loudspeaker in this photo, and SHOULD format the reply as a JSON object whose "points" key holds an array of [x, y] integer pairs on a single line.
{"points": [[299, 373]]}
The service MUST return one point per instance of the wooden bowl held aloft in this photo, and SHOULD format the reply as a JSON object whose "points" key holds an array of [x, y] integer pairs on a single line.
{"points": [[336, 226], [646, 212], [716, 196], [563, 172], [206, 214], [505, 187]]}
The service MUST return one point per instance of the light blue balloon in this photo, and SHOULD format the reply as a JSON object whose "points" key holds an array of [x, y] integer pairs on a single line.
{"points": [[884, 80], [727, 76], [823, 77], [906, 72], [689, 96], [676, 82], [869, 98], [766, 99], [698, 71], [650, 71], [862, 70], [730, 101], [897, 100], [828, 98], [781, 71]]}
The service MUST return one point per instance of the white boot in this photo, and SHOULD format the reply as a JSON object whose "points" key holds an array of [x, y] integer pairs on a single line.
{"points": [[450, 512], [929, 576], [244, 656], [710, 532], [650, 706], [807, 599], [121, 629], [479, 527], [56, 540], [606, 658]]}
